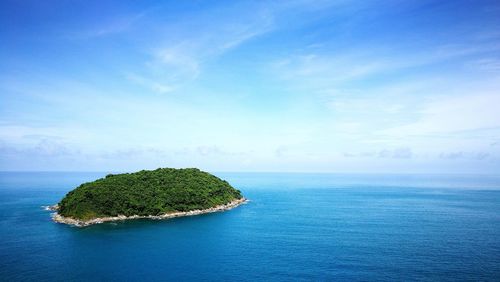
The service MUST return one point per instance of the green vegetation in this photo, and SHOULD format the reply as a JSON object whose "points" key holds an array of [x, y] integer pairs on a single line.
{"points": [[145, 192]]}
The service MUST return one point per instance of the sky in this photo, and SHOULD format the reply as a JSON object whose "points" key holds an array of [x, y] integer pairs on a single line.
{"points": [[268, 86]]}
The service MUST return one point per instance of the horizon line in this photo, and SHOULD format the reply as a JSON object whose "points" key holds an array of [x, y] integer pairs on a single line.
{"points": [[262, 172]]}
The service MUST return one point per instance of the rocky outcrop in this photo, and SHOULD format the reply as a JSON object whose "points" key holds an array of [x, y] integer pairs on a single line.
{"points": [[82, 223]]}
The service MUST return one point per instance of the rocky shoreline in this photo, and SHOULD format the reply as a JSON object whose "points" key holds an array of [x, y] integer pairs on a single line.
{"points": [[82, 223]]}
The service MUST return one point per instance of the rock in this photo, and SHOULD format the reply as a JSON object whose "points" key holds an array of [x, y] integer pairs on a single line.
{"points": [[82, 223]]}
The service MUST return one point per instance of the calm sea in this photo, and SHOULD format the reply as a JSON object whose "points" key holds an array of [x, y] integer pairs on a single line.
{"points": [[313, 227]]}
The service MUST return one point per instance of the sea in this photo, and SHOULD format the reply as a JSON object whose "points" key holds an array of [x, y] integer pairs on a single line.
{"points": [[296, 227]]}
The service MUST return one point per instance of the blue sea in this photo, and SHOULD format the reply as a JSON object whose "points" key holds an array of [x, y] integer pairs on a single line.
{"points": [[311, 227]]}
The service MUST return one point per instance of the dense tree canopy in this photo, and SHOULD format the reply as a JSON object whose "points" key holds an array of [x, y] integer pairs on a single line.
{"points": [[145, 192]]}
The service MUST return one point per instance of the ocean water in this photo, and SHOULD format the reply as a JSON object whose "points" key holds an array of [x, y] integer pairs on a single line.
{"points": [[311, 227]]}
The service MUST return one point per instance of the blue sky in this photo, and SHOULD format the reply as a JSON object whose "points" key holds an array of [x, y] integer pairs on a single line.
{"points": [[310, 86]]}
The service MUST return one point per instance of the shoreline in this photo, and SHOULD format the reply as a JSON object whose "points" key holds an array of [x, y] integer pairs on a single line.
{"points": [[82, 223]]}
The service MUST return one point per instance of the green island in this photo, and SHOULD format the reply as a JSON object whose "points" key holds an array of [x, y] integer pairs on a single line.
{"points": [[156, 194]]}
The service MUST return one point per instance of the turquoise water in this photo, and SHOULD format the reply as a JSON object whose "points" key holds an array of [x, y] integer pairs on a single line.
{"points": [[296, 227]]}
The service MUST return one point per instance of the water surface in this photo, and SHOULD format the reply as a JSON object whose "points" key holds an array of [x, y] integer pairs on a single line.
{"points": [[296, 227]]}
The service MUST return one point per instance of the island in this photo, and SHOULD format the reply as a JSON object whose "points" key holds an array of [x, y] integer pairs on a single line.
{"points": [[150, 194]]}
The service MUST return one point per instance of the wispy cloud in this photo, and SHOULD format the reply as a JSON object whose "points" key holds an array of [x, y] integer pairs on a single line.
{"points": [[153, 85], [464, 155], [396, 153], [348, 65], [455, 114], [486, 64], [179, 57], [108, 27]]}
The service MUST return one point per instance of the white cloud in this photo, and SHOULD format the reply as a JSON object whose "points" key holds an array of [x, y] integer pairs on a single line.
{"points": [[464, 155], [109, 27], [178, 57], [328, 68], [486, 64], [455, 114], [149, 83]]}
